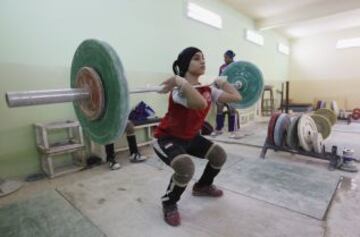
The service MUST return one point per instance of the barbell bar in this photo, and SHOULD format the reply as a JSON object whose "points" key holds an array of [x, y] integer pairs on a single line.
{"points": [[52, 96], [100, 94]]}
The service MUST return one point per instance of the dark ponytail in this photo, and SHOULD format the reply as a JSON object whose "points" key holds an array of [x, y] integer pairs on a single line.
{"points": [[175, 68]]}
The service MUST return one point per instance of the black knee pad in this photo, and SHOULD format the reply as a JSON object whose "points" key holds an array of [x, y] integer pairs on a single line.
{"points": [[216, 156], [184, 169]]}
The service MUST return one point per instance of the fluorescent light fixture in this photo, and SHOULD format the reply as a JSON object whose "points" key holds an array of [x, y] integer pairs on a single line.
{"points": [[282, 48], [254, 37], [348, 43], [203, 15]]}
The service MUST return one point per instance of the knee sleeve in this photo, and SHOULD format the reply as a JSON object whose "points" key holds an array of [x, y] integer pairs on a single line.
{"points": [[184, 169], [216, 156]]}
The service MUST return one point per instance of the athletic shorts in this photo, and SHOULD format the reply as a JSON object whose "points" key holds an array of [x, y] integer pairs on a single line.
{"points": [[167, 148]]}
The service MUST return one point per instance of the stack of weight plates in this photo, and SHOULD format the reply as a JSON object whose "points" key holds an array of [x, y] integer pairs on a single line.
{"points": [[298, 132]]}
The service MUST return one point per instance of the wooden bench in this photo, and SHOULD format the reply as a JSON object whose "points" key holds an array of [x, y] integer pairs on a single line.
{"points": [[148, 125]]}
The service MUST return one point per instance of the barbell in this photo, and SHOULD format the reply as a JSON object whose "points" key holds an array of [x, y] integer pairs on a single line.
{"points": [[100, 95]]}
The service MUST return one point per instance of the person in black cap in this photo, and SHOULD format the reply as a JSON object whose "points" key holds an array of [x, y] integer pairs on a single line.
{"points": [[178, 134], [233, 114]]}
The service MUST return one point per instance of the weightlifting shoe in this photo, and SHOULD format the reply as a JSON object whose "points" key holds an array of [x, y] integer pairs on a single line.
{"points": [[208, 190], [171, 215]]}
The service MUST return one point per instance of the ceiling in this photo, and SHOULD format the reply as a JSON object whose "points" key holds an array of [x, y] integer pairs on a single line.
{"points": [[297, 19]]}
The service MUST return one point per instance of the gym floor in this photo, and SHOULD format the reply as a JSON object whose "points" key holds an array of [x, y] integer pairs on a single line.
{"points": [[305, 200]]}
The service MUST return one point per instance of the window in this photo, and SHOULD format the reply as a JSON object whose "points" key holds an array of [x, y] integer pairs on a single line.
{"points": [[282, 48], [254, 37], [203, 15], [348, 43]]}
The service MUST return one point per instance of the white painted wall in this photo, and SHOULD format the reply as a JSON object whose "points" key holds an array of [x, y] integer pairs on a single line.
{"points": [[320, 71]]}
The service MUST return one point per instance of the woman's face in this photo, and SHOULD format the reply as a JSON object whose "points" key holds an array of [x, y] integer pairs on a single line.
{"points": [[197, 64]]}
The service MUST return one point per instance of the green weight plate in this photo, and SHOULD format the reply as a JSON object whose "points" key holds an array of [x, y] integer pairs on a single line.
{"points": [[101, 57], [306, 130], [251, 80], [292, 139], [323, 125], [328, 113]]}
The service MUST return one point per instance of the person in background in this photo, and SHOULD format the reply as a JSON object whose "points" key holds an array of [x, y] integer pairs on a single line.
{"points": [[135, 155], [233, 114]]}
